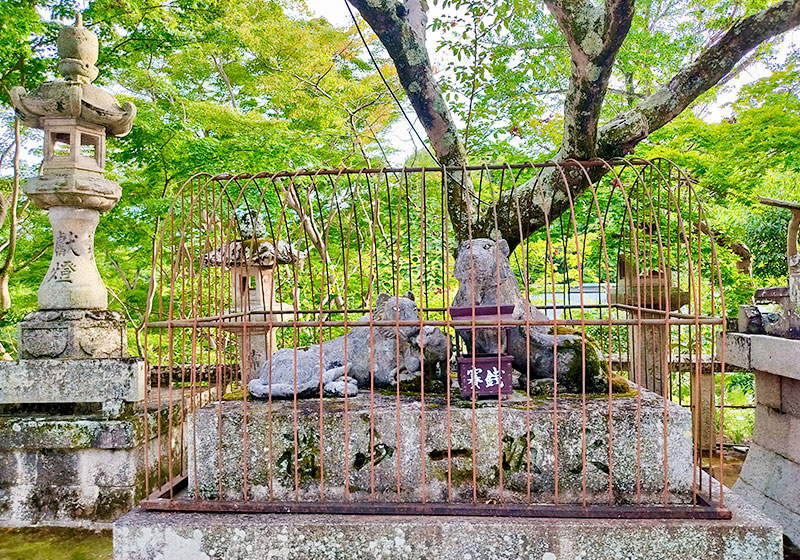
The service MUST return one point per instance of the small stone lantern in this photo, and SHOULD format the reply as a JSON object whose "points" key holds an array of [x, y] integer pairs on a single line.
{"points": [[73, 320], [652, 291], [251, 264]]}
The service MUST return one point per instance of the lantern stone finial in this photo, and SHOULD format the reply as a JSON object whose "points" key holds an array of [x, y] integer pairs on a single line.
{"points": [[77, 52]]}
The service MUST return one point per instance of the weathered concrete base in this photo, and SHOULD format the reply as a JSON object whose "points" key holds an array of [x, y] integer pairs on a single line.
{"points": [[142, 535], [409, 458], [79, 470]]}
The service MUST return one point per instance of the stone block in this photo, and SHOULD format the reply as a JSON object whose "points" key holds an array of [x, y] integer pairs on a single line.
{"points": [[768, 389], [78, 484], [17, 466], [107, 381], [771, 354], [142, 535], [74, 334], [107, 467], [737, 349], [35, 432], [749, 320], [114, 502], [35, 504], [779, 513], [777, 432], [82, 470], [774, 476], [55, 468], [398, 436], [775, 355], [790, 396]]}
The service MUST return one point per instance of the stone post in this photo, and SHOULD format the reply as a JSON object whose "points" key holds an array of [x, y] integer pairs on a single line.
{"points": [[649, 345]]}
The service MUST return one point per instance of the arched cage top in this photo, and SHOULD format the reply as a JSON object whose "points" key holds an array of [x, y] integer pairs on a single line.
{"points": [[261, 284], [345, 236]]}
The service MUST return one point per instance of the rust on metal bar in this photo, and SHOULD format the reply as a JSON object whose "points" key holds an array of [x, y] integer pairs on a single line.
{"points": [[319, 307]]}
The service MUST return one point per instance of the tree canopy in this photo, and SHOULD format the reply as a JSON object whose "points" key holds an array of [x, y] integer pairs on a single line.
{"points": [[228, 86], [588, 43]]}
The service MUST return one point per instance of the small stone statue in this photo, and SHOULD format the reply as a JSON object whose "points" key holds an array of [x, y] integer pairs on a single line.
{"points": [[484, 275], [251, 223], [371, 357]]}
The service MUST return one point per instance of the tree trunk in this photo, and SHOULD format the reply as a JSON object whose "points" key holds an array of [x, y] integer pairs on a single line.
{"points": [[594, 34], [13, 221]]}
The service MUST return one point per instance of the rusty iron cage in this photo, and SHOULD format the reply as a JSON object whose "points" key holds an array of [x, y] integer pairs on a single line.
{"points": [[628, 277]]}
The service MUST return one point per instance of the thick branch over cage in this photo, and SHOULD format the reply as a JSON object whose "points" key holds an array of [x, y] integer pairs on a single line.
{"points": [[597, 312]]}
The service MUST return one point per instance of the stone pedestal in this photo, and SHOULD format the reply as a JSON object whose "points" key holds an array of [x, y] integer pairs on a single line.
{"points": [[143, 535], [73, 333], [270, 450], [770, 478]]}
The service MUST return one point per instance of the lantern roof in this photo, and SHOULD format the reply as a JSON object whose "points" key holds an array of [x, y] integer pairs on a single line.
{"points": [[253, 252], [75, 96]]}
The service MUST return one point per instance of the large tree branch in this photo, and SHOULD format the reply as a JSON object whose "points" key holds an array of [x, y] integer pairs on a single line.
{"points": [[620, 135], [594, 33], [545, 197], [400, 26]]}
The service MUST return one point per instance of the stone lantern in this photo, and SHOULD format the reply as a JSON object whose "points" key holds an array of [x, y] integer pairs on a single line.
{"points": [[73, 320], [74, 399], [252, 264]]}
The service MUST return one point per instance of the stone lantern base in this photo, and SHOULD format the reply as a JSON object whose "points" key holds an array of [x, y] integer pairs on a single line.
{"points": [[72, 333], [73, 465]]}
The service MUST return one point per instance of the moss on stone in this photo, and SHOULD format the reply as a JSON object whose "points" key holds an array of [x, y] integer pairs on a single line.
{"points": [[381, 451], [235, 395], [595, 367], [303, 466], [55, 543]]}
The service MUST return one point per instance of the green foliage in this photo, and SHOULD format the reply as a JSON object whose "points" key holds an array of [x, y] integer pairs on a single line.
{"points": [[509, 65], [755, 152], [219, 86]]}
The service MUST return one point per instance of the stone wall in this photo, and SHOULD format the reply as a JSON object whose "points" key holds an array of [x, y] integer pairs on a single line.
{"points": [[770, 477]]}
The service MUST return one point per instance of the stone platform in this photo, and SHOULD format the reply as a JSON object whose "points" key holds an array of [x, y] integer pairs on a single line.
{"points": [[217, 456], [770, 477], [80, 469], [142, 535], [111, 382]]}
